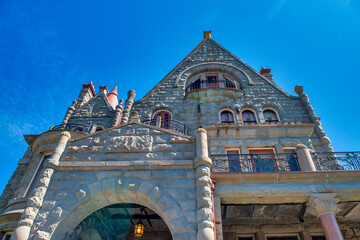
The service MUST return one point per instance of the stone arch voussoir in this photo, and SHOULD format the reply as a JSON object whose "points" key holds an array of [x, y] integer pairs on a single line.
{"points": [[108, 191], [182, 78]]}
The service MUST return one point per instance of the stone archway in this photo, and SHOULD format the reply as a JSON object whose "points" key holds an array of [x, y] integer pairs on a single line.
{"points": [[105, 192], [118, 221], [238, 72]]}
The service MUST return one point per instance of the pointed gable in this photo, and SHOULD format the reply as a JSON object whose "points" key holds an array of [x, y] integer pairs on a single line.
{"points": [[210, 52], [98, 106], [214, 55]]}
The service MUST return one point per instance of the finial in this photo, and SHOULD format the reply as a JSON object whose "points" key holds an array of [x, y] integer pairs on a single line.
{"points": [[207, 34], [299, 89]]}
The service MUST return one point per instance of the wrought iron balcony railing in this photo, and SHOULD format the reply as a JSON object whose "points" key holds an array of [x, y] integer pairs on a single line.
{"points": [[203, 84], [168, 124], [71, 127], [329, 161], [262, 162]]}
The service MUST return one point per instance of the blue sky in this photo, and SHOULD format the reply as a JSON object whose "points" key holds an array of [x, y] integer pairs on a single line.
{"points": [[49, 49]]}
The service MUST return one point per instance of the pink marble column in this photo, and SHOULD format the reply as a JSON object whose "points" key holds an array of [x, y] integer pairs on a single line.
{"points": [[324, 206], [330, 227]]}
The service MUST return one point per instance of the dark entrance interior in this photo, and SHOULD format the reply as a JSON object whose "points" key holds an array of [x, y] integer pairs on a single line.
{"points": [[118, 221]]}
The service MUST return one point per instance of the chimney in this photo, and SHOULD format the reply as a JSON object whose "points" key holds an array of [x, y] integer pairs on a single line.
{"points": [[207, 34], [266, 72], [113, 98], [86, 93], [90, 86]]}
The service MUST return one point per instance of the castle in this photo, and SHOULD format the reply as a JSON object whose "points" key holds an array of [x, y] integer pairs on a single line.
{"points": [[216, 150]]}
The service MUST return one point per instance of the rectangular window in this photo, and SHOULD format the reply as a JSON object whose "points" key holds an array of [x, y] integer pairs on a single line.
{"points": [[245, 238], [282, 238], [318, 238], [234, 160], [292, 160], [263, 160]]}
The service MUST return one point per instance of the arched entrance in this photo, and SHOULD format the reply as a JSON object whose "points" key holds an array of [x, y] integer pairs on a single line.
{"points": [[109, 191], [119, 221]]}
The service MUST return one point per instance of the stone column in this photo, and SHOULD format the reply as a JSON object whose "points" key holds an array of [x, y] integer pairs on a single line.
{"points": [[128, 104], [34, 203], [118, 112], [304, 157], [324, 206], [203, 188], [70, 110], [325, 141]]}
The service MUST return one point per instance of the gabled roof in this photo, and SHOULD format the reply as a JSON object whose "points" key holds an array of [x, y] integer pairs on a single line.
{"points": [[101, 95], [223, 49]]}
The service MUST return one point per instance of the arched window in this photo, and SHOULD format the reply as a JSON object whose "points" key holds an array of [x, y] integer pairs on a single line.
{"points": [[99, 128], [270, 116], [162, 119], [227, 117], [248, 116], [197, 84]]}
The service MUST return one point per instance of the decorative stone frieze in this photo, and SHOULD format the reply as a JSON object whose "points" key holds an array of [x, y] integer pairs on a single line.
{"points": [[130, 144]]}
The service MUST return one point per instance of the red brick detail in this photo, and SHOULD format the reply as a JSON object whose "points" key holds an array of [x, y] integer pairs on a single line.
{"points": [[265, 70], [91, 86], [113, 98]]}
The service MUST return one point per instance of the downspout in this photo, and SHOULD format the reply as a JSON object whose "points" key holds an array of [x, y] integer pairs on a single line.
{"points": [[213, 206]]}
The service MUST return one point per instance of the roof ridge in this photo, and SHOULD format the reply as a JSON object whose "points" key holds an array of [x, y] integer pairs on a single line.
{"points": [[252, 69], [171, 72]]}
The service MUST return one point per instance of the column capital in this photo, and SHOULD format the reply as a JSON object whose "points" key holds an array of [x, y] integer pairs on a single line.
{"points": [[320, 204]]}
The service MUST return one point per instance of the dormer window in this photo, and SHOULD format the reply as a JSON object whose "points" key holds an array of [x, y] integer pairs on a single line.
{"points": [[270, 116], [248, 116], [162, 119], [212, 80], [227, 117]]}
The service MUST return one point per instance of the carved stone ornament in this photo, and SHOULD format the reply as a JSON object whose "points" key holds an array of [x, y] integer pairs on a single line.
{"points": [[130, 144], [322, 204]]}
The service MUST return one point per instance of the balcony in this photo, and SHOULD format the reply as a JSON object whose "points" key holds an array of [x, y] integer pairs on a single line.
{"points": [[213, 89], [332, 161], [283, 162], [174, 125], [205, 84], [71, 127], [236, 163]]}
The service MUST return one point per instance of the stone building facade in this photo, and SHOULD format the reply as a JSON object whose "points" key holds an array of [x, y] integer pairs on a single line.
{"points": [[216, 150]]}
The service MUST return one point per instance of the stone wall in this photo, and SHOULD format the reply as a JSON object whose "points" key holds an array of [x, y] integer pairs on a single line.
{"points": [[73, 195], [258, 94]]}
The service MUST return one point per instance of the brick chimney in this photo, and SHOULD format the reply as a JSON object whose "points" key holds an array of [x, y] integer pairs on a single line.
{"points": [[86, 93], [266, 72], [207, 34], [90, 85]]}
